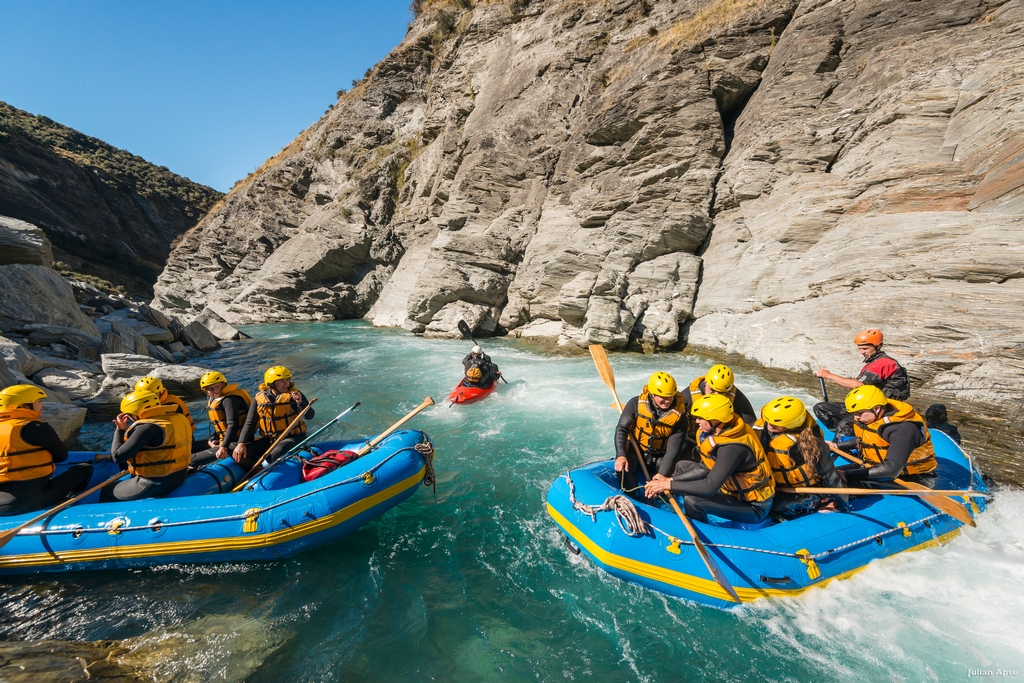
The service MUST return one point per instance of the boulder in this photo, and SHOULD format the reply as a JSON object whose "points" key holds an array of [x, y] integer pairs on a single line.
{"points": [[44, 335], [216, 325], [36, 294], [154, 317], [160, 353], [19, 358], [106, 403], [128, 318], [122, 365], [175, 347], [6, 378], [176, 378], [112, 343], [89, 354], [133, 341], [73, 385], [196, 335], [22, 242], [481, 319], [66, 420]]}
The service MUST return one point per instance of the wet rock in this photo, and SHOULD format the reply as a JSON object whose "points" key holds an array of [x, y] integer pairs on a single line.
{"points": [[22, 242], [196, 335], [36, 294]]}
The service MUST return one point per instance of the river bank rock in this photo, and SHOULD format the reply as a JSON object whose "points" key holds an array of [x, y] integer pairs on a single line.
{"points": [[65, 419], [22, 242], [182, 379], [71, 384], [36, 294]]}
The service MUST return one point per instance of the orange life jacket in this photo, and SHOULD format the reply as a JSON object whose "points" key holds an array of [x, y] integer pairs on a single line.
{"points": [[875, 449], [169, 399], [21, 461], [218, 420], [753, 486], [276, 412], [789, 466], [652, 434], [170, 456]]}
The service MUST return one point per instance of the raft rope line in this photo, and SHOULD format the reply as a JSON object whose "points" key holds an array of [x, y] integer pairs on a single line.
{"points": [[248, 515], [640, 528]]}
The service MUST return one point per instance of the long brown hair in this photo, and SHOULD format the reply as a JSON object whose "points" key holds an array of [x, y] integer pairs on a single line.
{"points": [[808, 443]]}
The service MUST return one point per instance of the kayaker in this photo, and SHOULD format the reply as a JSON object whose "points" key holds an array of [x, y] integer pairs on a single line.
{"points": [[227, 406], [733, 480], [154, 440], [29, 447], [718, 380], [893, 439], [655, 419], [880, 370], [936, 418], [274, 407], [488, 372], [799, 456], [155, 386]]}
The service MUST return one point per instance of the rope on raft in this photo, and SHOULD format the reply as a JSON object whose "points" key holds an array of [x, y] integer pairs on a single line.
{"points": [[426, 449], [626, 513]]}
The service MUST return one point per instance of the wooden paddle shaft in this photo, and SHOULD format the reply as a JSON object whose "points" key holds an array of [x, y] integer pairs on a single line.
{"points": [[875, 492], [278, 440], [428, 401]]}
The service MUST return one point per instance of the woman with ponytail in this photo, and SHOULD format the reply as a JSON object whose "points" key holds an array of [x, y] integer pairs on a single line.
{"points": [[799, 456]]}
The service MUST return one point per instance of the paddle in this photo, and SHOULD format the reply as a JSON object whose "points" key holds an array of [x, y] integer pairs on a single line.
{"points": [[604, 368], [874, 492], [263, 457], [936, 500], [468, 334], [370, 446], [11, 533], [312, 436], [824, 391]]}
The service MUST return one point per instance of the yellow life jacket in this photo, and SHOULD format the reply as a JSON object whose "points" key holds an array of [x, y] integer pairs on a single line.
{"points": [[169, 399], [695, 394], [787, 469], [218, 420], [874, 448], [753, 486], [21, 461], [277, 412], [170, 456], [652, 434]]}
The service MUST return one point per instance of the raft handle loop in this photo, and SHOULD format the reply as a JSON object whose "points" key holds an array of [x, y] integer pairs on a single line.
{"points": [[251, 515], [906, 529], [114, 528], [813, 572], [673, 545]]}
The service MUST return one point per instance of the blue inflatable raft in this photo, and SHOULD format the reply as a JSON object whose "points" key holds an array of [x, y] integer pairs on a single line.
{"points": [[771, 559], [274, 516]]}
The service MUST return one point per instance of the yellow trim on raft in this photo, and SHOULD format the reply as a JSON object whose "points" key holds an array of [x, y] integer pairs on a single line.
{"points": [[696, 584], [244, 541]]}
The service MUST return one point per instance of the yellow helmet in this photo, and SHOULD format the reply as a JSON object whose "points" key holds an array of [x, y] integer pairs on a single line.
{"points": [[275, 373], [138, 400], [719, 378], [662, 384], [150, 384], [210, 378], [865, 397], [785, 411], [20, 394], [713, 407], [474, 374]]}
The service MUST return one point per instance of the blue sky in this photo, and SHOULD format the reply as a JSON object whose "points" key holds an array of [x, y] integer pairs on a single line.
{"points": [[208, 89]]}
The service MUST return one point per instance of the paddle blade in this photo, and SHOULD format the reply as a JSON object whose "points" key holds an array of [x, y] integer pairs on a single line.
{"points": [[709, 562], [941, 503], [464, 329]]}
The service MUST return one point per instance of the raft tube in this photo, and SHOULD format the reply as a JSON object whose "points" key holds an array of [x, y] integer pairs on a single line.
{"points": [[274, 516], [467, 394], [766, 560]]}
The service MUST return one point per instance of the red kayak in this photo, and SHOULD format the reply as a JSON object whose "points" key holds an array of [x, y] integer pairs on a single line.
{"points": [[470, 394]]}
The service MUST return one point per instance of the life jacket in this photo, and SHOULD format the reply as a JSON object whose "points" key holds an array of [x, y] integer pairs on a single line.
{"points": [[752, 486], [218, 420], [874, 448], [652, 434], [789, 466], [170, 456], [21, 461], [696, 390], [276, 412], [169, 399]]}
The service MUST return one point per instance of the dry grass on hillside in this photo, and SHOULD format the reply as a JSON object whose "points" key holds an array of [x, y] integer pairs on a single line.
{"points": [[709, 21]]}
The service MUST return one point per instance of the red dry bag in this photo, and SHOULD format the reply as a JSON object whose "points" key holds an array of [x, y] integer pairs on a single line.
{"points": [[320, 465]]}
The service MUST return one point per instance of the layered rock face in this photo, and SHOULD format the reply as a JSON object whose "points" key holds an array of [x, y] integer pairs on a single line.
{"points": [[764, 177]]}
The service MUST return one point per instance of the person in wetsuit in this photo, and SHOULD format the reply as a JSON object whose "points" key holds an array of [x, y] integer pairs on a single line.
{"points": [[799, 456], [655, 420], [274, 407], [880, 370], [227, 406], [936, 418], [486, 371], [154, 441], [29, 448], [893, 440], [733, 480], [154, 385], [718, 380]]}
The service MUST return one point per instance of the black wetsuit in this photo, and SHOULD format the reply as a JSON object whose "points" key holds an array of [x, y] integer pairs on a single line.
{"points": [[18, 497], [488, 370], [903, 438], [793, 505], [662, 462], [702, 489], [143, 435], [255, 448], [234, 413]]}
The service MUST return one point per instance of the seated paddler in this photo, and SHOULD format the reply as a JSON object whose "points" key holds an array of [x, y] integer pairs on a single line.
{"points": [[481, 371], [275, 406], [893, 440], [655, 422], [155, 386], [718, 380], [29, 448], [799, 456], [154, 440], [733, 480], [227, 407]]}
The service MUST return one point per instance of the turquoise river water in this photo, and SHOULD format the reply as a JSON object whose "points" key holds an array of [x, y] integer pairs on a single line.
{"points": [[475, 584]]}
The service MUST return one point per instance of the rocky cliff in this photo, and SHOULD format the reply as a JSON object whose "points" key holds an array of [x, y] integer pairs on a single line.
{"points": [[108, 213], [760, 177]]}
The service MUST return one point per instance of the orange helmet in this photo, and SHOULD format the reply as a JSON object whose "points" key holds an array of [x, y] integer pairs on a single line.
{"points": [[870, 336]]}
